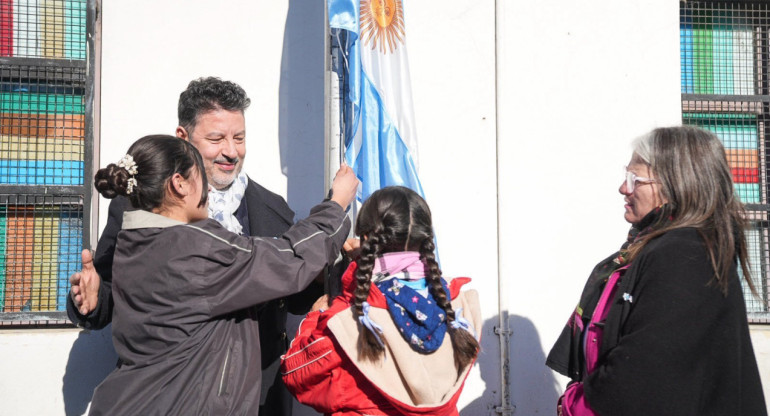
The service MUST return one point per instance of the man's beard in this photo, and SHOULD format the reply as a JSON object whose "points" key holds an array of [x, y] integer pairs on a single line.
{"points": [[222, 181]]}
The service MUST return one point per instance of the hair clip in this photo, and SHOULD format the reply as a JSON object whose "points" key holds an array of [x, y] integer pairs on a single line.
{"points": [[127, 163], [131, 184], [367, 323], [462, 323]]}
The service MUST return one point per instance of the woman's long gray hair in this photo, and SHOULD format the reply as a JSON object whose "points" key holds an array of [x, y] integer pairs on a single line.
{"points": [[694, 177]]}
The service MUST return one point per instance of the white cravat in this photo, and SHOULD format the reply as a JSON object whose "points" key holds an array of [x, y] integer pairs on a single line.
{"points": [[223, 204]]}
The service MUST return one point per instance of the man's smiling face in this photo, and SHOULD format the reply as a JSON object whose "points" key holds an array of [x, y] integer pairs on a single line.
{"points": [[220, 137]]}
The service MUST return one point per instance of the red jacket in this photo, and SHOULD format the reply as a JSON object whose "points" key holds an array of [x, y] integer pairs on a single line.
{"points": [[322, 370]]}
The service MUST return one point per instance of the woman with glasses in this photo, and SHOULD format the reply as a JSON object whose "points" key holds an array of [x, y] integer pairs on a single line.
{"points": [[661, 325]]}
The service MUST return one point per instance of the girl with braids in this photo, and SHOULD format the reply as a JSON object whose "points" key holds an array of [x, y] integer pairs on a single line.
{"points": [[399, 340], [185, 289]]}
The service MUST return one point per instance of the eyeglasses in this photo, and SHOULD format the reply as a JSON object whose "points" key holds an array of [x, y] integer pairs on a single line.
{"points": [[632, 179]]}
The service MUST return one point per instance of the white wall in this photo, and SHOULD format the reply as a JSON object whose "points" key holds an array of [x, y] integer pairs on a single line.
{"points": [[52, 372], [575, 83], [579, 81], [451, 59]]}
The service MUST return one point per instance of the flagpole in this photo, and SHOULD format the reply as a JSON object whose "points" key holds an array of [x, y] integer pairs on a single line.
{"points": [[502, 329], [334, 123], [329, 127]]}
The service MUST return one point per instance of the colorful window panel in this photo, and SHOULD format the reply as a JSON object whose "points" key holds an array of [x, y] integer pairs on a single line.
{"points": [[41, 242], [717, 50], [54, 29], [740, 136], [42, 125], [725, 89], [44, 90]]}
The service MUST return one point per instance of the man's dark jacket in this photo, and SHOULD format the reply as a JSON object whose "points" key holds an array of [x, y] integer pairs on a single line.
{"points": [[261, 213]]}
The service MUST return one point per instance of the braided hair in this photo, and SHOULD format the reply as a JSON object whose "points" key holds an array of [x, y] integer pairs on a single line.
{"points": [[157, 158], [397, 219]]}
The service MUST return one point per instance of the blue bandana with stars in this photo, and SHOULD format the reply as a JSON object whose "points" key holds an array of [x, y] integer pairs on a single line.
{"points": [[420, 320]]}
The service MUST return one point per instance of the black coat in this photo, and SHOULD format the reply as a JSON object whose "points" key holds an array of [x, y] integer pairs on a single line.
{"points": [[262, 213], [675, 345]]}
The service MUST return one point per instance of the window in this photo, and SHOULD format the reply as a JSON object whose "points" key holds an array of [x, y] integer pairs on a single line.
{"points": [[724, 62], [46, 145]]}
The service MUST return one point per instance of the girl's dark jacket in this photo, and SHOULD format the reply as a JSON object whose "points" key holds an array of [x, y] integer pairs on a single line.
{"points": [[261, 214], [183, 325], [675, 346]]}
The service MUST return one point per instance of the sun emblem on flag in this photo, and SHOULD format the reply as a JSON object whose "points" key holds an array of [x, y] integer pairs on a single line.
{"points": [[382, 24]]}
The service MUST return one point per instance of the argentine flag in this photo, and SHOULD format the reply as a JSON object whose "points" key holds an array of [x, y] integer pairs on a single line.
{"points": [[380, 139]]}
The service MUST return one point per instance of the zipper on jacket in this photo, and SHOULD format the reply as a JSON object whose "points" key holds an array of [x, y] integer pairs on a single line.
{"points": [[223, 379]]}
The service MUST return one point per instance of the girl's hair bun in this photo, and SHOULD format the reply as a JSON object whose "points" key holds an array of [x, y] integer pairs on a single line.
{"points": [[111, 181]]}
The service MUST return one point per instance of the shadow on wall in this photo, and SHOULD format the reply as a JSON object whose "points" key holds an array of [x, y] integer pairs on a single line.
{"points": [[533, 388], [91, 359], [489, 367], [301, 118], [301, 104]]}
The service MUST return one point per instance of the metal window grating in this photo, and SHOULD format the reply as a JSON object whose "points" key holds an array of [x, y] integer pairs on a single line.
{"points": [[42, 125], [42, 238], [45, 141], [53, 29], [724, 85]]}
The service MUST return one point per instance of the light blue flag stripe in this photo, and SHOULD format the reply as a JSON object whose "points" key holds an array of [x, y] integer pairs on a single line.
{"points": [[381, 158], [343, 14]]}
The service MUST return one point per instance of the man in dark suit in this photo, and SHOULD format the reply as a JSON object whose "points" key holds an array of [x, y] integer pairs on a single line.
{"points": [[211, 117]]}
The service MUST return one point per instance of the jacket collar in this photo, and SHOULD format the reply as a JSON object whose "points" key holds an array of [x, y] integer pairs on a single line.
{"points": [[257, 195], [145, 219]]}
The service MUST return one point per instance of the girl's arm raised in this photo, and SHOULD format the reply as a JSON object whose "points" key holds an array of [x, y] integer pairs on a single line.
{"points": [[238, 272]]}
